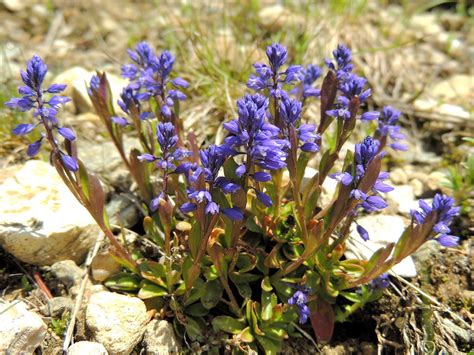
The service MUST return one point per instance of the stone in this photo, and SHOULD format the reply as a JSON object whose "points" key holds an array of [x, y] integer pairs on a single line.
{"points": [[122, 211], [418, 187], [398, 176], [159, 338], [15, 5], [382, 229], [403, 197], [21, 331], [57, 306], [77, 79], [276, 16], [460, 85], [428, 251], [427, 23], [67, 272], [103, 266], [116, 321], [435, 180], [328, 190], [41, 222], [104, 160], [453, 110], [87, 347]]}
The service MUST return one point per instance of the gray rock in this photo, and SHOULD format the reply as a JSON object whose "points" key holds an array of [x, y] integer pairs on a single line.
{"points": [[428, 251], [41, 222], [57, 306], [403, 197], [68, 272], [104, 160], [159, 338], [122, 211], [87, 348], [21, 331], [116, 321], [382, 229]]}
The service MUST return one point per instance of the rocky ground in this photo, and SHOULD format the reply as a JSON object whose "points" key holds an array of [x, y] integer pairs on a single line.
{"points": [[52, 265]]}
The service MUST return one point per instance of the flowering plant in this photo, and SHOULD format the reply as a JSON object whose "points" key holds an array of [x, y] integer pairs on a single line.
{"points": [[244, 240]]}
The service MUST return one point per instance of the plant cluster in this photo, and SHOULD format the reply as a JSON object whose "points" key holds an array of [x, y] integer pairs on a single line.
{"points": [[244, 241]]}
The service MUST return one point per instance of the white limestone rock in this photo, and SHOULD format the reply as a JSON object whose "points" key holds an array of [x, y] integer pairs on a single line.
{"points": [[21, 331], [41, 222], [116, 321], [159, 338], [77, 79], [382, 229], [87, 347]]}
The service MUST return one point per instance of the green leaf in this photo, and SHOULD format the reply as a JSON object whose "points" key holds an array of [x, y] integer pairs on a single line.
{"points": [[196, 310], [270, 346], [150, 290], [196, 292], [245, 291], [194, 329], [228, 324], [238, 277], [266, 284], [352, 296], [213, 294], [84, 178], [275, 331], [123, 281], [246, 336], [269, 300]]}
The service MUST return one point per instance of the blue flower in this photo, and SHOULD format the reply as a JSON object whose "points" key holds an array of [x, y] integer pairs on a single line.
{"points": [[388, 127], [364, 153], [290, 112], [362, 232], [443, 211], [254, 137], [300, 300], [343, 57], [34, 97], [170, 155], [382, 281], [149, 77], [270, 77], [212, 160], [277, 55]]}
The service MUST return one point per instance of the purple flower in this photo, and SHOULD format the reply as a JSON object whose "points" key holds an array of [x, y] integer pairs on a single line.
{"points": [[353, 86], [149, 77], [264, 198], [443, 212], [382, 281], [290, 110], [344, 178], [34, 147], [370, 116], [67, 133], [233, 213], [343, 57], [362, 232], [388, 127], [69, 162], [270, 77], [300, 300], [33, 96], [277, 55]]}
